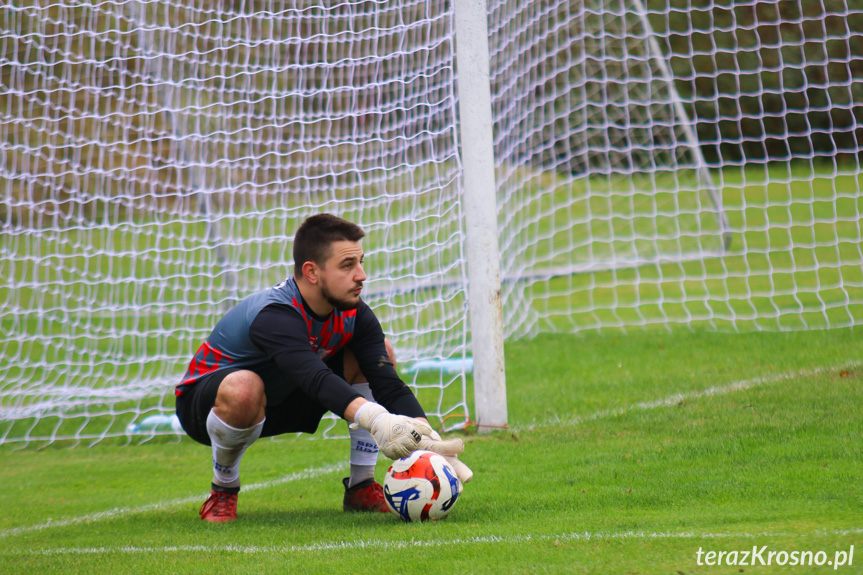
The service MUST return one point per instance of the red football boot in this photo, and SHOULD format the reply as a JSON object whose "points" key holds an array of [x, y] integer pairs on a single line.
{"points": [[366, 495], [220, 507]]}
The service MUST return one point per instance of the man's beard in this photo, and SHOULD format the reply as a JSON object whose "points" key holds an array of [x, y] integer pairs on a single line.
{"points": [[339, 304]]}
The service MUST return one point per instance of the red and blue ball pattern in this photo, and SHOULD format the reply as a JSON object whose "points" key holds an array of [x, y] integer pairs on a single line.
{"points": [[421, 487]]}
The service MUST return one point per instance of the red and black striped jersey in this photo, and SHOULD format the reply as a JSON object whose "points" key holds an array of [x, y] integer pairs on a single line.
{"points": [[276, 335]]}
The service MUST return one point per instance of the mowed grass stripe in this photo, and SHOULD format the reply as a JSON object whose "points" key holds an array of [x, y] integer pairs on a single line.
{"points": [[381, 544], [310, 473], [676, 398], [555, 422], [642, 492]]}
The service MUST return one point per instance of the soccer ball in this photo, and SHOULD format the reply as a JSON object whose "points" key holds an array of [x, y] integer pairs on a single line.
{"points": [[421, 486]]}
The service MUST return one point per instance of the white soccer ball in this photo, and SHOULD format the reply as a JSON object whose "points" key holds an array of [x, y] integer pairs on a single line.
{"points": [[421, 487]]}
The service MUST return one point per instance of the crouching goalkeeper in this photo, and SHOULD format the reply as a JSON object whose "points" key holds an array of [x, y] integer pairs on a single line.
{"points": [[283, 357]]}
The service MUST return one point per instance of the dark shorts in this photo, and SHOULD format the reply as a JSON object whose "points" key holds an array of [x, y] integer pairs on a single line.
{"points": [[296, 413]]}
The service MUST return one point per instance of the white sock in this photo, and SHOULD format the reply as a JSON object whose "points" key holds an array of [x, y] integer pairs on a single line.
{"points": [[229, 444], [364, 449]]}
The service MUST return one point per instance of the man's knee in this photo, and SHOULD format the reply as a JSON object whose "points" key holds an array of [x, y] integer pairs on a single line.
{"points": [[241, 400], [352, 371]]}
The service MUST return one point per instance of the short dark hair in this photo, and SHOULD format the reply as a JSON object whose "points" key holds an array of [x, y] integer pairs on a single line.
{"points": [[315, 236]]}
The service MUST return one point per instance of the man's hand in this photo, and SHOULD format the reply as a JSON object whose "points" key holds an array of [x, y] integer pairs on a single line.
{"points": [[397, 436], [432, 441], [449, 449]]}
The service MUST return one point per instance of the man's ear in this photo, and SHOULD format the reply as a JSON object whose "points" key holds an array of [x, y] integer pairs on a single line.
{"points": [[310, 272]]}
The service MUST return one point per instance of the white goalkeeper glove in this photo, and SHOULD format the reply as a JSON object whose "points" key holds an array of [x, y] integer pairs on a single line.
{"points": [[449, 449], [397, 436]]}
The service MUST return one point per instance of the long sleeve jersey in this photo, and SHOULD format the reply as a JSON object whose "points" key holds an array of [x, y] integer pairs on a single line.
{"points": [[276, 335]]}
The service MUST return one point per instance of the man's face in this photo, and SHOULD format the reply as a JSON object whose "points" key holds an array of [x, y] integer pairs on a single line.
{"points": [[342, 276]]}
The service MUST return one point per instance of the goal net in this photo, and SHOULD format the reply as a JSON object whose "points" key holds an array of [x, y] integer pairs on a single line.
{"points": [[157, 157], [679, 162], [658, 163]]}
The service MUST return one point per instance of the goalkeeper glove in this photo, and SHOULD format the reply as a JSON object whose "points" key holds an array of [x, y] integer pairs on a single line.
{"points": [[449, 449], [397, 436]]}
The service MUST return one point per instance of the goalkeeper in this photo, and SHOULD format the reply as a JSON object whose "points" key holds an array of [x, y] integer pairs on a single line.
{"points": [[283, 357]]}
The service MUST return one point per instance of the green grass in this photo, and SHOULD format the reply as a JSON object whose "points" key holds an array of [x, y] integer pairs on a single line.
{"points": [[627, 451], [604, 470]]}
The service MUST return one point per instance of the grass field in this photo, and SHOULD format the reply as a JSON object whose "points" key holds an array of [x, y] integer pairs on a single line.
{"points": [[626, 454]]}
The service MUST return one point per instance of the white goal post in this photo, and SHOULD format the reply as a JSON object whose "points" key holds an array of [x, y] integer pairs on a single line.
{"points": [[519, 166], [480, 201]]}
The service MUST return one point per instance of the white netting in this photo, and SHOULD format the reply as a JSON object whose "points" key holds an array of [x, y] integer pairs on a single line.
{"points": [[155, 159], [679, 162]]}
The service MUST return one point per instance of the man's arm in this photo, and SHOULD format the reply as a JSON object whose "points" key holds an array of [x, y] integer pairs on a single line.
{"points": [[369, 348], [282, 334], [354, 406]]}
